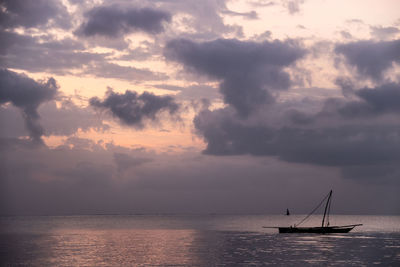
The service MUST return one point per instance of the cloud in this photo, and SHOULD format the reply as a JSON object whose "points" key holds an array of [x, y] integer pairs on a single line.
{"points": [[10, 39], [247, 15], [356, 144], [134, 109], [380, 100], [83, 178], [12, 122], [192, 92], [67, 118], [247, 70], [371, 58], [353, 133], [33, 13], [263, 3], [380, 32], [145, 51], [346, 35], [27, 94], [37, 54], [124, 161], [114, 21], [111, 70], [62, 120], [202, 20], [293, 6]]}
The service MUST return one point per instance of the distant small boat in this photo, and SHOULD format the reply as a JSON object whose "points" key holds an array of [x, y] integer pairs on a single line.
{"points": [[324, 228]]}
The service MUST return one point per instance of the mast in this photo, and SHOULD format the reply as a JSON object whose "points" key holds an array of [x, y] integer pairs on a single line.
{"points": [[326, 207]]}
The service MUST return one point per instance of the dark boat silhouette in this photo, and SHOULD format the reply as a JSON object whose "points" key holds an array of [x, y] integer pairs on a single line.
{"points": [[324, 228]]}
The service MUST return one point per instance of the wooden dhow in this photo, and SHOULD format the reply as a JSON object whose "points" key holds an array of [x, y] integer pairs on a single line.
{"points": [[325, 228]]}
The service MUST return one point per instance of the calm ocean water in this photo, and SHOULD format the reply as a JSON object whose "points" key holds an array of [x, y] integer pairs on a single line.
{"points": [[195, 240]]}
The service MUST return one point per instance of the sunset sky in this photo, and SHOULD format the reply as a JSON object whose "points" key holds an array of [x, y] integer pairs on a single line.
{"points": [[187, 106]]}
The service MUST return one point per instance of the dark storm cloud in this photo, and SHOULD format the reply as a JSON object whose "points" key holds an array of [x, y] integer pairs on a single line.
{"points": [[113, 21], [371, 58], [382, 98], [45, 54], [378, 100], [134, 109], [298, 117], [247, 70], [27, 94], [343, 145], [33, 13], [358, 134], [10, 39]]}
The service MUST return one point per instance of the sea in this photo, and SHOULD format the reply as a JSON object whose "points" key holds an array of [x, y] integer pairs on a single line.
{"points": [[195, 240]]}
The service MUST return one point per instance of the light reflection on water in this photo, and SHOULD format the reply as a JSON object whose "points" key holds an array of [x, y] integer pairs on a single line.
{"points": [[123, 247], [186, 241]]}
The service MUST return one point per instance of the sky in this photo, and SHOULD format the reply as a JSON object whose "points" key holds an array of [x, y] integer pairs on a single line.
{"points": [[186, 106]]}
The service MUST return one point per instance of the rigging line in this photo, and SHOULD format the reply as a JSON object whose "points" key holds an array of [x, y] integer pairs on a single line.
{"points": [[323, 200], [329, 211]]}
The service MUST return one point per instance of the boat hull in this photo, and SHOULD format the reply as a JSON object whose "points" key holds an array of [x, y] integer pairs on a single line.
{"points": [[316, 230]]}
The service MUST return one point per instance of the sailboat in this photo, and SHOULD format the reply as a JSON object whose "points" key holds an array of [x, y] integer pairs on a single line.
{"points": [[324, 228]]}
